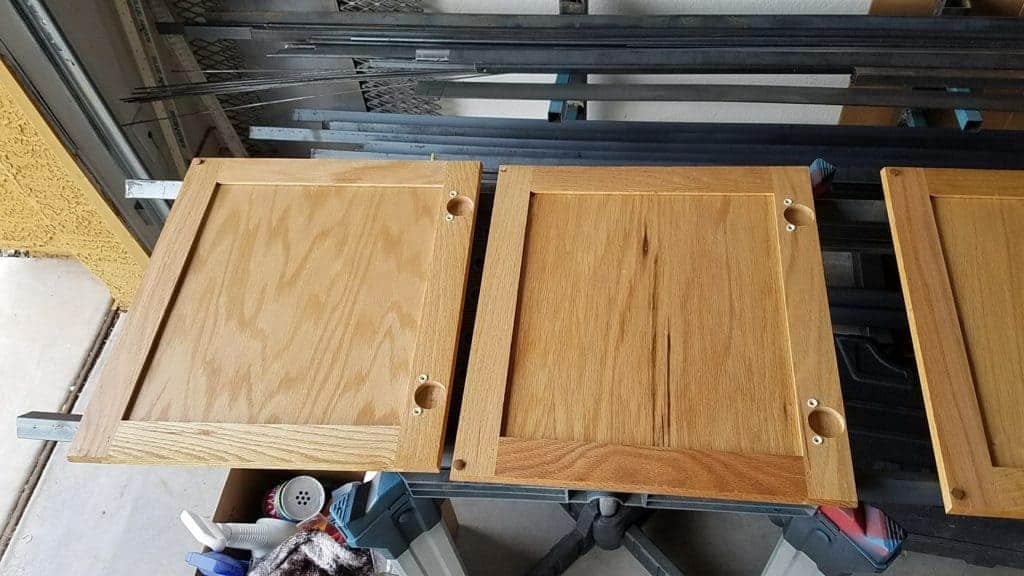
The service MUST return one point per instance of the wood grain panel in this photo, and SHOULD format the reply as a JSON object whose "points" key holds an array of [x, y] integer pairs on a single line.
{"points": [[637, 322], [653, 470], [484, 395], [128, 359], [815, 373], [602, 338], [255, 445], [980, 241], [290, 309], [955, 233], [361, 292]]}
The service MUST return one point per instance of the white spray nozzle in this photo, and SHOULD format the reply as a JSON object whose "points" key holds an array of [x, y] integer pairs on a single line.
{"points": [[261, 537]]}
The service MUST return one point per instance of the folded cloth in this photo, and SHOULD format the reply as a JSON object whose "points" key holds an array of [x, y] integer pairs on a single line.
{"points": [[313, 553]]}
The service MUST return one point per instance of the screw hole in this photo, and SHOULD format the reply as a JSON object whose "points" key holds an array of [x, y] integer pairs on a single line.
{"points": [[459, 206], [799, 215], [429, 395], [826, 422]]}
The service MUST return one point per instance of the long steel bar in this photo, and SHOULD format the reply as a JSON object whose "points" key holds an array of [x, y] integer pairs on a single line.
{"points": [[776, 60], [756, 59], [665, 132], [862, 171], [694, 150], [859, 152], [939, 78], [899, 97], [828, 136], [441, 24]]}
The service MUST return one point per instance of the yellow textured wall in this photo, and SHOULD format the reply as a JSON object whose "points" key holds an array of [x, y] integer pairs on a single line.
{"points": [[47, 204]]}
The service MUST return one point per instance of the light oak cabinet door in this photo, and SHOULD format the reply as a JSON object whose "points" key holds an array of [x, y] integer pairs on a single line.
{"points": [[296, 314], [958, 236], [660, 330]]}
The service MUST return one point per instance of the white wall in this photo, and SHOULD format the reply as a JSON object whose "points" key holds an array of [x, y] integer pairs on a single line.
{"points": [[663, 111]]}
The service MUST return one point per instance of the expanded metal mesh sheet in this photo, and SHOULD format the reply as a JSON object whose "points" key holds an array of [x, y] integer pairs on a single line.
{"points": [[380, 6], [221, 55], [383, 95], [396, 95]]}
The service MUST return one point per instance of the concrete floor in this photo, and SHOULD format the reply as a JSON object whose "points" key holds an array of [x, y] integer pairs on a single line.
{"points": [[93, 520], [51, 312]]}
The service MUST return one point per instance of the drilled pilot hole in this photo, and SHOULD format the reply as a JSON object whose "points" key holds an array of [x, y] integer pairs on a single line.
{"points": [[459, 206], [429, 395], [799, 215], [826, 422]]}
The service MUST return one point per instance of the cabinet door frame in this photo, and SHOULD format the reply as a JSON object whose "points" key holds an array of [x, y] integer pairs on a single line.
{"points": [[823, 475], [415, 444], [971, 484]]}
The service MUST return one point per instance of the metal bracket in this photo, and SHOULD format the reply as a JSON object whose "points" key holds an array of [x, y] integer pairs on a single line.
{"points": [[55, 426]]}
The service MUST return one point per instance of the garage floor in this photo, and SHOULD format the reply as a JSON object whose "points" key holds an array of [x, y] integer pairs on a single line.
{"points": [[120, 520]]}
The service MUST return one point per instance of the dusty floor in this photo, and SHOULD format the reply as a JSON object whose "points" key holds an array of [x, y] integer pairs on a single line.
{"points": [[122, 520]]}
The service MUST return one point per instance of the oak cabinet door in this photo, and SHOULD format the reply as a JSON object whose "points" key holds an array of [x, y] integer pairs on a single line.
{"points": [[296, 314], [661, 330], [958, 237]]}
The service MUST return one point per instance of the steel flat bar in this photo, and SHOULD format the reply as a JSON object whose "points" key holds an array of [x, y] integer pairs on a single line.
{"points": [[859, 173], [640, 131], [624, 61], [419, 144], [441, 22], [939, 78], [849, 136], [363, 137], [899, 97], [735, 152]]}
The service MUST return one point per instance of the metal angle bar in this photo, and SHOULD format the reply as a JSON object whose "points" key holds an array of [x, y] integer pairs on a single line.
{"points": [[155, 189], [55, 426], [847, 138], [897, 97]]}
